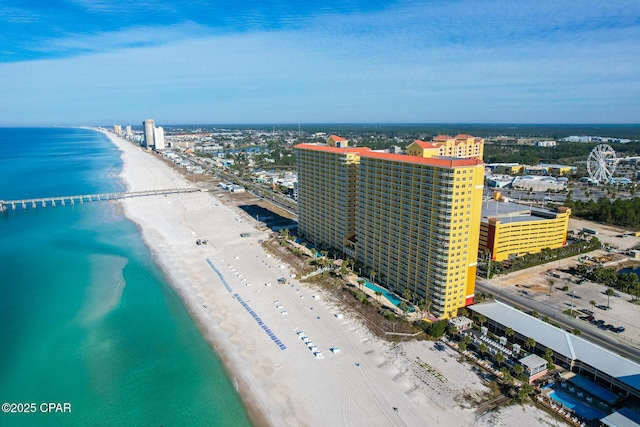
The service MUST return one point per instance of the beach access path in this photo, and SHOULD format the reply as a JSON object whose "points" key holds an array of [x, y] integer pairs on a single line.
{"points": [[223, 285]]}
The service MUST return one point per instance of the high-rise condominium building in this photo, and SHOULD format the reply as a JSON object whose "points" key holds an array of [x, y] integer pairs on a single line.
{"points": [[149, 127], [412, 220], [128, 132], [158, 139], [117, 129], [327, 181]]}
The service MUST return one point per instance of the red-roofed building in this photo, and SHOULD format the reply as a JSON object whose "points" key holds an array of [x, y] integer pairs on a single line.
{"points": [[337, 141], [412, 219], [462, 145]]}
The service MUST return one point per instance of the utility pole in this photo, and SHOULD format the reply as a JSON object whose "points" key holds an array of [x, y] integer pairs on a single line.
{"points": [[573, 294]]}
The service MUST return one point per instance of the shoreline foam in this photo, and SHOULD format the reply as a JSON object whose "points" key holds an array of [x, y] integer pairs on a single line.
{"points": [[358, 386]]}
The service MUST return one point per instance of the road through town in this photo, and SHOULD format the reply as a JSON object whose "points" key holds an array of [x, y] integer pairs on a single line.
{"points": [[515, 298]]}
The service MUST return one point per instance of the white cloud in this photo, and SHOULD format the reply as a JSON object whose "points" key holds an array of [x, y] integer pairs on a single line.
{"points": [[403, 65]]}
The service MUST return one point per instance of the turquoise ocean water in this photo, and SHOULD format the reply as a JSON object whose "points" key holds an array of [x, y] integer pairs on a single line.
{"points": [[86, 316]]}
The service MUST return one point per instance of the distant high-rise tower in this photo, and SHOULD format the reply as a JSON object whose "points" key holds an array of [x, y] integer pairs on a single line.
{"points": [[158, 138], [128, 132], [149, 127], [117, 129]]}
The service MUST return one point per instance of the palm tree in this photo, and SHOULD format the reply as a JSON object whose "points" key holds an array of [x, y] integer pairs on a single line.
{"points": [[592, 303], [284, 233], [348, 263], [506, 376], [482, 348], [509, 332], [378, 294], [530, 343], [422, 305], [481, 318], [500, 358], [518, 369], [609, 293], [534, 314], [524, 391], [407, 294], [551, 283], [372, 274]]}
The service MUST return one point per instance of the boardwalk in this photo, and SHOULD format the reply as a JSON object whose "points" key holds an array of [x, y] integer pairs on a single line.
{"points": [[45, 202]]}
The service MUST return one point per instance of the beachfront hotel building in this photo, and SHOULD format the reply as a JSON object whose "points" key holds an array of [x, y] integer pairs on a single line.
{"points": [[510, 229], [149, 129], [327, 179], [461, 145], [412, 219]]}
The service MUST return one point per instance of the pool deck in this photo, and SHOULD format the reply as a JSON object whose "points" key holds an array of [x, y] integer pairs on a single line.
{"points": [[552, 406]]}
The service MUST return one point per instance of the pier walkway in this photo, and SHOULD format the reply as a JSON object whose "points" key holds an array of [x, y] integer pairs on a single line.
{"points": [[44, 202]]}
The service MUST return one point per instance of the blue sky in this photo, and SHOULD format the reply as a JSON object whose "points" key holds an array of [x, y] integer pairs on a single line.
{"points": [[90, 62]]}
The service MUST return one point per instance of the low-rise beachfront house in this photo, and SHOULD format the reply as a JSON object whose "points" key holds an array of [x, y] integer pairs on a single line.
{"points": [[534, 366], [461, 323], [618, 374]]}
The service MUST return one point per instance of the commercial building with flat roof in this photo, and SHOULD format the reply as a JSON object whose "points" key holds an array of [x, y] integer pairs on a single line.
{"points": [[511, 229], [413, 220], [575, 353]]}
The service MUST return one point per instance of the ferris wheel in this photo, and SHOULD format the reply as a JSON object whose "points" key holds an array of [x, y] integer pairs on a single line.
{"points": [[601, 163]]}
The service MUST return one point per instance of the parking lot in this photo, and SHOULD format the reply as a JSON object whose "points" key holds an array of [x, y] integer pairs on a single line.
{"points": [[553, 286]]}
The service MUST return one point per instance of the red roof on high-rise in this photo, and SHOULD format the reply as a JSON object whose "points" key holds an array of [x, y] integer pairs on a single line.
{"points": [[433, 161], [337, 138], [328, 149], [424, 144]]}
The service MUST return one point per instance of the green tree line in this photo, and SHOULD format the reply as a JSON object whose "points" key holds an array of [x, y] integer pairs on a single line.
{"points": [[620, 212]]}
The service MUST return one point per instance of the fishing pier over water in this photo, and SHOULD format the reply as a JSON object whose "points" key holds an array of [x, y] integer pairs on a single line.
{"points": [[45, 202]]}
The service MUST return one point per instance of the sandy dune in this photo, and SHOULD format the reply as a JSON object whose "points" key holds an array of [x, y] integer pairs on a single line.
{"points": [[281, 381]]}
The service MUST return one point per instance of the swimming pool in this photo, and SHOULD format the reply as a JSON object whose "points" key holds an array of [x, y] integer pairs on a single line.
{"points": [[388, 295], [595, 389], [578, 407]]}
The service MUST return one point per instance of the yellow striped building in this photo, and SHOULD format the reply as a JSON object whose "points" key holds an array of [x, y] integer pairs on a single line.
{"points": [[413, 220], [510, 229]]}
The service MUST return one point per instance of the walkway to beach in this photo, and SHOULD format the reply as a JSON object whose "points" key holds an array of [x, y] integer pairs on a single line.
{"points": [[253, 314]]}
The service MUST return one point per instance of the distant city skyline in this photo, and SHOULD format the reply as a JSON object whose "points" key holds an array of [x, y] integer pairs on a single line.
{"points": [[87, 62]]}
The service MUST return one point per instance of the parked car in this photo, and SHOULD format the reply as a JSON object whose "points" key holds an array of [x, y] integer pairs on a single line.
{"points": [[619, 329]]}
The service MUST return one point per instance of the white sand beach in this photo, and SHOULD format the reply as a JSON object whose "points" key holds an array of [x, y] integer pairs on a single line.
{"points": [[281, 381]]}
